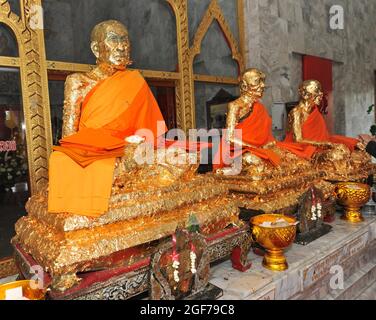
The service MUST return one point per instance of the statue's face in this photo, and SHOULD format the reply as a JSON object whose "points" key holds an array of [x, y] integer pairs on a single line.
{"points": [[311, 92], [114, 46], [253, 83]]}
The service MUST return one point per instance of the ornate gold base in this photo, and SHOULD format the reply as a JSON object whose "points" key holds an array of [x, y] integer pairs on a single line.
{"points": [[352, 215], [275, 260]]}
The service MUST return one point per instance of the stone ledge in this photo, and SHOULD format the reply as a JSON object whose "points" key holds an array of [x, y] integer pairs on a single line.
{"points": [[351, 246]]}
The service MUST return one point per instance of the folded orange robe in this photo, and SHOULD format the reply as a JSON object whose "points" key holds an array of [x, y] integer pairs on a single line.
{"points": [[315, 129], [81, 169], [257, 131]]}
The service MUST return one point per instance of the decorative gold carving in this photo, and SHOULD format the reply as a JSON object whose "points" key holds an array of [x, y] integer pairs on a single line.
{"points": [[185, 108], [215, 79], [9, 61]]}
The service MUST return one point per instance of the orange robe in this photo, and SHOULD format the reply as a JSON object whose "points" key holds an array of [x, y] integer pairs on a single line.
{"points": [[81, 169], [257, 131], [315, 129]]}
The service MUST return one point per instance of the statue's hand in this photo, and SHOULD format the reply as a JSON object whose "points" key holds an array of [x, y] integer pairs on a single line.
{"points": [[135, 139], [269, 145]]}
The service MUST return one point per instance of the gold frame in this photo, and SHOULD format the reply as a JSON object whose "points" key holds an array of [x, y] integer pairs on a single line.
{"points": [[34, 69]]}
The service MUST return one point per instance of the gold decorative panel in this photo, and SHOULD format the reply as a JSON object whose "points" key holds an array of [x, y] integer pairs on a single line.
{"points": [[34, 67]]}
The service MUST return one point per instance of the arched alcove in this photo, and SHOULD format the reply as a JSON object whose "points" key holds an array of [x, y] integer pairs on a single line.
{"points": [[8, 42], [215, 57]]}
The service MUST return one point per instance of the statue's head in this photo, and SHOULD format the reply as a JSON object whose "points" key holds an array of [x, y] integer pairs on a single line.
{"points": [[311, 92], [110, 43], [252, 83]]}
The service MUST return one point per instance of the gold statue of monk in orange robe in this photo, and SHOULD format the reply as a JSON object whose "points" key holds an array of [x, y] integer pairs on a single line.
{"points": [[342, 158], [277, 172], [101, 200]]}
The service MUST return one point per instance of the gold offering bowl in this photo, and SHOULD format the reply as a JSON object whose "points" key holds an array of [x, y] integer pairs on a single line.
{"points": [[352, 195], [27, 289], [274, 239]]}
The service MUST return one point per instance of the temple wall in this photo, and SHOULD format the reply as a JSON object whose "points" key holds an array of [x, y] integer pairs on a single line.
{"points": [[278, 32]]}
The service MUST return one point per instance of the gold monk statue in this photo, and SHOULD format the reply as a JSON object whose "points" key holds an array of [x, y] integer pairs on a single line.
{"points": [[249, 118], [100, 199], [341, 157], [267, 165]]}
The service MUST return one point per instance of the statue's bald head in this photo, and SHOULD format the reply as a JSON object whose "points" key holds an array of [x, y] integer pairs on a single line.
{"points": [[99, 32], [252, 82], [311, 91], [110, 43]]}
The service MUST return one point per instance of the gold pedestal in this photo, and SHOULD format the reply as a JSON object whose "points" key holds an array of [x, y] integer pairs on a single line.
{"points": [[275, 260], [273, 239], [353, 215], [352, 196]]}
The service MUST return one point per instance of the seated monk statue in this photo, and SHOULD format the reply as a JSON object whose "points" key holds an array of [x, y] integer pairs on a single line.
{"points": [[100, 200], [342, 158], [274, 169]]}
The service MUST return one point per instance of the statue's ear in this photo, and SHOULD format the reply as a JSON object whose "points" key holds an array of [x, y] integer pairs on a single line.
{"points": [[95, 48], [243, 86]]}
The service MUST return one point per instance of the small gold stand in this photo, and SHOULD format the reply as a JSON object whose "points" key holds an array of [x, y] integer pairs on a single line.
{"points": [[275, 260], [353, 215]]}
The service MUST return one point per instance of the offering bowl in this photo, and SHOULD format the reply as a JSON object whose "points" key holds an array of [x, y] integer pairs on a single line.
{"points": [[30, 290], [352, 195], [274, 237]]}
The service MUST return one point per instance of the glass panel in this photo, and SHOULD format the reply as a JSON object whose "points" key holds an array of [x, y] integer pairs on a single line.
{"points": [[151, 25], [15, 6], [211, 103], [56, 92], [14, 177], [196, 11], [215, 57], [8, 42]]}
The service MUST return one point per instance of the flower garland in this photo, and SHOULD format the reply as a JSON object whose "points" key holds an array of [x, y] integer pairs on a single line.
{"points": [[316, 207], [176, 262]]}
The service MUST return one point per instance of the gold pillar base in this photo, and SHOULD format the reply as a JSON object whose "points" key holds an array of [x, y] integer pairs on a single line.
{"points": [[275, 260], [352, 215]]}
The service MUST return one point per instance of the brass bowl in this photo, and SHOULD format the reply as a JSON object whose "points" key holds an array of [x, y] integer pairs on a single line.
{"points": [[27, 288], [352, 195], [273, 239]]}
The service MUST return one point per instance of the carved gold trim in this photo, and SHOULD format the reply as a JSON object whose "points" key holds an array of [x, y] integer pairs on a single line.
{"points": [[214, 12], [80, 67], [185, 107], [215, 79], [9, 61]]}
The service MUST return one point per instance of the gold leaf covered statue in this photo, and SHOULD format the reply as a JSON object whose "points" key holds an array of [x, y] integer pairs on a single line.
{"points": [[342, 158], [100, 200], [272, 174]]}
